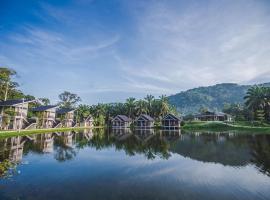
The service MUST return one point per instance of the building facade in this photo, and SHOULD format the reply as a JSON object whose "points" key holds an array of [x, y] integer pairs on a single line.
{"points": [[45, 116], [144, 122], [121, 121], [171, 121]]}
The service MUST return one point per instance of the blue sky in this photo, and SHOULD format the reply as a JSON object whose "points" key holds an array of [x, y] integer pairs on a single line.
{"points": [[108, 50]]}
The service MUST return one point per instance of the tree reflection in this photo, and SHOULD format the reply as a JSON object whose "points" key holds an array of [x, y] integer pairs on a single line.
{"points": [[63, 150], [260, 151]]}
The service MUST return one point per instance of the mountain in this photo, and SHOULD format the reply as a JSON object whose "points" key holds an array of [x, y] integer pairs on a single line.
{"points": [[211, 97]]}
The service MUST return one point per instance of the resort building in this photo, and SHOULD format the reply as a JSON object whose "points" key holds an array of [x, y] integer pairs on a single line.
{"points": [[14, 113], [45, 115], [144, 122], [213, 116], [171, 121], [88, 122], [66, 116], [121, 121]]}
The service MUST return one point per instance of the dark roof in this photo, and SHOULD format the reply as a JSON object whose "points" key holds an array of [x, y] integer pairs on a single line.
{"points": [[43, 108], [172, 116], [64, 110], [13, 102], [123, 118], [146, 117]]}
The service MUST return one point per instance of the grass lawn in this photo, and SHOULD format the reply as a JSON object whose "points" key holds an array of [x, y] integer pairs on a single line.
{"points": [[223, 126], [9, 133]]}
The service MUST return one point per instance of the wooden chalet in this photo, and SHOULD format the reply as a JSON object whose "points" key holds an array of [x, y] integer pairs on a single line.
{"points": [[14, 113], [171, 121], [144, 122], [213, 116], [121, 121], [46, 116], [88, 122], [66, 116]]}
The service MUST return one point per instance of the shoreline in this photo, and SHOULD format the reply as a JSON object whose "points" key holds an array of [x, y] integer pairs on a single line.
{"points": [[214, 127]]}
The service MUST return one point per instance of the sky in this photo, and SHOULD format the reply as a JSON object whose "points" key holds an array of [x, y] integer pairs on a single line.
{"points": [[109, 50]]}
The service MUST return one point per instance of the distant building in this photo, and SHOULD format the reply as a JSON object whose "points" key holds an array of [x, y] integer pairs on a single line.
{"points": [[66, 116], [213, 116], [171, 121], [144, 122], [46, 116], [121, 121], [16, 110]]}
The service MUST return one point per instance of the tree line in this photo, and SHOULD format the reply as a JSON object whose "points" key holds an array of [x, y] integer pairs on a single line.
{"points": [[102, 113], [132, 107], [255, 108]]}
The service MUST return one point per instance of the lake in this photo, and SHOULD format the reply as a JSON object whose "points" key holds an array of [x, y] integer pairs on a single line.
{"points": [[121, 164]]}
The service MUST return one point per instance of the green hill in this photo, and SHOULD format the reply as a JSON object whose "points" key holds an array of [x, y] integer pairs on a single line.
{"points": [[211, 97]]}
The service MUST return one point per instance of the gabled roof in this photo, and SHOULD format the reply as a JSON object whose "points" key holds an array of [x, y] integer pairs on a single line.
{"points": [[14, 102], [145, 117], [171, 116], [123, 118], [43, 108], [64, 110]]}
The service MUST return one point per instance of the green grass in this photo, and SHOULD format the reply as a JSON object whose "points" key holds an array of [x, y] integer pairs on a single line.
{"points": [[222, 126], [8, 133]]}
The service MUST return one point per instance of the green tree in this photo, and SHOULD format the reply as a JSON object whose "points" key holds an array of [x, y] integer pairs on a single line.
{"points": [[255, 101], [7, 85], [131, 106], [68, 100]]}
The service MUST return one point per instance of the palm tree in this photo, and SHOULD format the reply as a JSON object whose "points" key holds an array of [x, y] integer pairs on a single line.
{"points": [[149, 99], [131, 105], [165, 107], [141, 107], [255, 100]]}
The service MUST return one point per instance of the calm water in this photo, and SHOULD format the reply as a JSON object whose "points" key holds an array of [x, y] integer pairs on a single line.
{"points": [[108, 165]]}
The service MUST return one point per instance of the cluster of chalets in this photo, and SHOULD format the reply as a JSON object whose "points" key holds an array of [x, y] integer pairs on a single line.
{"points": [[14, 116], [144, 121]]}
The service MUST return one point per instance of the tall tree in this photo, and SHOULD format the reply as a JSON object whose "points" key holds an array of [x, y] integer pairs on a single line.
{"points": [[131, 105], [6, 82], [68, 100], [149, 99], [255, 100]]}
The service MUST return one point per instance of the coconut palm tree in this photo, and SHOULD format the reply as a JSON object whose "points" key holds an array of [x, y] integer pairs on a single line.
{"points": [[141, 107], [255, 99], [131, 105], [149, 99], [164, 107]]}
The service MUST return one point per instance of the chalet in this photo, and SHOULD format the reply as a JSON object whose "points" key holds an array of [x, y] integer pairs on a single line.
{"points": [[144, 122], [213, 116], [88, 122], [121, 121], [66, 116], [15, 113], [45, 115], [171, 121]]}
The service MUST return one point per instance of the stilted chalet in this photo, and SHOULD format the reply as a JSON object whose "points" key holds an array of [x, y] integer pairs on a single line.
{"points": [[14, 113], [66, 116], [213, 116], [88, 122], [46, 116], [144, 122], [171, 121], [121, 121]]}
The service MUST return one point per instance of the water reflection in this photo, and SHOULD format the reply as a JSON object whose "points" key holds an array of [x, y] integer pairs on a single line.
{"points": [[228, 149]]}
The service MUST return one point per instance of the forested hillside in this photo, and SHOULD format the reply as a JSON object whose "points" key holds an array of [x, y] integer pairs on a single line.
{"points": [[211, 97]]}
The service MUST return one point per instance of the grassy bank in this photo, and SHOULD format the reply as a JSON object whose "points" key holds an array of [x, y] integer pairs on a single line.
{"points": [[222, 126], [4, 134]]}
